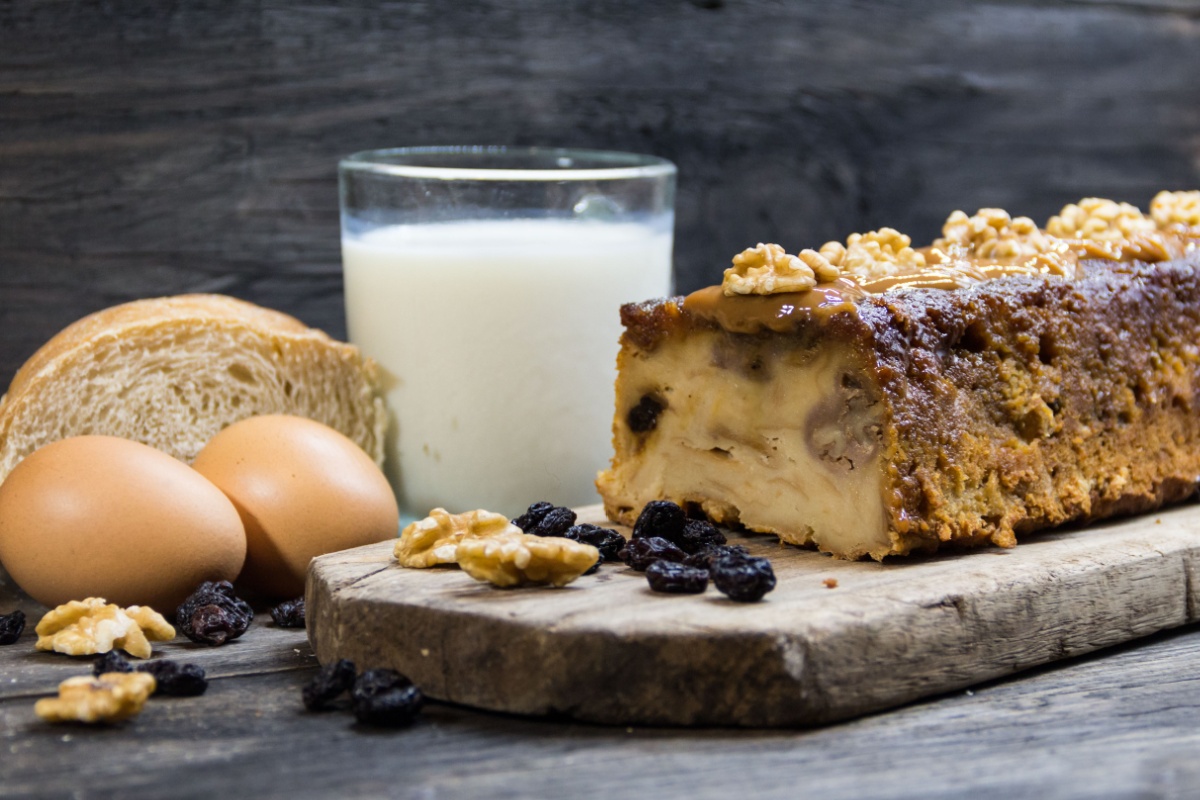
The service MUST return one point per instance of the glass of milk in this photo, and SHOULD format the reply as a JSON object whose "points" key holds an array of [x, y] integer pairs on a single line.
{"points": [[487, 283]]}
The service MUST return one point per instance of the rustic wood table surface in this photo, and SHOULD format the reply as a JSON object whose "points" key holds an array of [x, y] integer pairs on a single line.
{"points": [[1121, 724], [156, 148]]}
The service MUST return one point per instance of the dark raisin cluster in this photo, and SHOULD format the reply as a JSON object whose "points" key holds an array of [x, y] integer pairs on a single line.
{"points": [[213, 614], [289, 613], [11, 626], [606, 540], [175, 679], [385, 697], [742, 578], [680, 555], [675, 578], [547, 519], [377, 696], [666, 520], [660, 518], [112, 661], [641, 553], [704, 557], [699, 534], [172, 678], [643, 417], [328, 684]]}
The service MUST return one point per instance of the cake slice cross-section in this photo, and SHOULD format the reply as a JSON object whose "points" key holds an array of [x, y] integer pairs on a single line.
{"points": [[962, 394]]}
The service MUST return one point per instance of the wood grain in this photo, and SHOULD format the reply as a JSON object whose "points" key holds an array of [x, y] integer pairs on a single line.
{"points": [[607, 649], [1117, 725], [150, 148], [29, 673]]}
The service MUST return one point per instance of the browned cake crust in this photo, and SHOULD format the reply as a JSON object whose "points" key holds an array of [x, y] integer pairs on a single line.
{"points": [[987, 411]]}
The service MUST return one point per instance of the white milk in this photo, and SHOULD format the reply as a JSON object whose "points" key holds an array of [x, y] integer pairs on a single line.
{"points": [[499, 341]]}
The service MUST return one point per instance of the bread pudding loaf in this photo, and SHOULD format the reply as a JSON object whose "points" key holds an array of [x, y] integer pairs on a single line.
{"points": [[891, 400]]}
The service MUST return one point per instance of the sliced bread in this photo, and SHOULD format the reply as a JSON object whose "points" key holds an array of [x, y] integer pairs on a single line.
{"points": [[170, 372]]}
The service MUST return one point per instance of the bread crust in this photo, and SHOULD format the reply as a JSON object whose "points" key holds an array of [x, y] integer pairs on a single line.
{"points": [[143, 320], [147, 314]]}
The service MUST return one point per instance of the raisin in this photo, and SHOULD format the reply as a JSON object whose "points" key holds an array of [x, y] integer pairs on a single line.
{"points": [[213, 614], [660, 518], [289, 613], [331, 681], [112, 661], [699, 534], [12, 626], [641, 553], [556, 522], [668, 576], [385, 697], [533, 515], [703, 558], [644, 416], [606, 540], [743, 578], [174, 679]]}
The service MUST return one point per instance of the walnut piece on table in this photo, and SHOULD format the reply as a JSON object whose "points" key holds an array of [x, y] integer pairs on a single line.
{"points": [[93, 625], [522, 559], [111, 697], [434, 540]]}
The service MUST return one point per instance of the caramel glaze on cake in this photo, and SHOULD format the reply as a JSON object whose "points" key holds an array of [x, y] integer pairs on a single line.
{"points": [[947, 410]]}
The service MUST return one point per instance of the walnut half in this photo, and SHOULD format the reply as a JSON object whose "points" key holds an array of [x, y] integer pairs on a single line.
{"points": [[767, 269], [1101, 220], [521, 559], [1176, 209], [991, 236], [86, 627], [111, 697], [434, 540]]}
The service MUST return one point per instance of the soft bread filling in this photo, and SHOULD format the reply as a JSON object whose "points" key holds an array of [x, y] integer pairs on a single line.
{"points": [[783, 438], [174, 389]]}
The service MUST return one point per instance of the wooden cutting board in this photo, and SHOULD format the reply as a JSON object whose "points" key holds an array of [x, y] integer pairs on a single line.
{"points": [[607, 649]]}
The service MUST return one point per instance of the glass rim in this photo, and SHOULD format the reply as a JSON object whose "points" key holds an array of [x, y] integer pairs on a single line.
{"points": [[626, 166]]}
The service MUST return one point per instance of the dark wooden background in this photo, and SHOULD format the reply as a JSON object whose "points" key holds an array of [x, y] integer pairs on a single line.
{"points": [[156, 147]]}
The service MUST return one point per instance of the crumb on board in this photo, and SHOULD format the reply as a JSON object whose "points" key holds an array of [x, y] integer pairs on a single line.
{"points": [[830, 583]]}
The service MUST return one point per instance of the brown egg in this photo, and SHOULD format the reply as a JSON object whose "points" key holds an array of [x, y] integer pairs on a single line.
{"points": [[303, 490], [98, 516]]}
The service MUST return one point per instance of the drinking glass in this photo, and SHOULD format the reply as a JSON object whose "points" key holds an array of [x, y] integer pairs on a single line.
{"points": [[487, 283]]}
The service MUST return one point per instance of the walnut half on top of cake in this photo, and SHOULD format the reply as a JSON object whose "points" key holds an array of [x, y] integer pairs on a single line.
{"points": [[874, 399]]}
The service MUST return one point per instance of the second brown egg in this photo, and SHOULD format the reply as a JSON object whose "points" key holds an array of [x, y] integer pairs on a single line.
{"points": [[302, 490]]}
